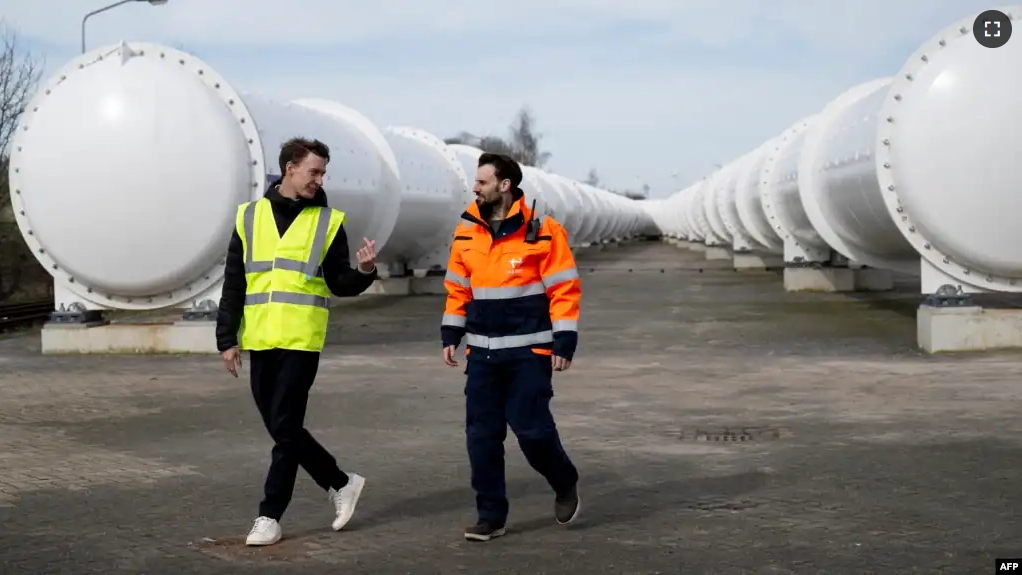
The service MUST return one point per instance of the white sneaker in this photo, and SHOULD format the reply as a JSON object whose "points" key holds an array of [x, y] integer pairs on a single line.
{"points": [[345, 499], [266, 531]]}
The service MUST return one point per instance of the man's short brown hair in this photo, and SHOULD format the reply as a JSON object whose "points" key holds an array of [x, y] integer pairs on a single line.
{"points": [[295, 150]]}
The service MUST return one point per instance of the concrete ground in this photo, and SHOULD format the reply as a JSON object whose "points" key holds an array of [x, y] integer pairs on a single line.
{"points": [[721, 426]]}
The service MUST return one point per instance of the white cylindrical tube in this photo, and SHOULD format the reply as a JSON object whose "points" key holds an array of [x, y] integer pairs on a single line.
{"points": [[434, 192], [919, 164], [779, 192], [188, 149], [749, 202]]}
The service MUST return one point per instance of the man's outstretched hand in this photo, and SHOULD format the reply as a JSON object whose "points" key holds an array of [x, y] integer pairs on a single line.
{"points": [[366, 256]]}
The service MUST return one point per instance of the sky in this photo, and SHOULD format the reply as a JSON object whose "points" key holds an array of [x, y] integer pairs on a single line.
{"points": [[654, 92]]}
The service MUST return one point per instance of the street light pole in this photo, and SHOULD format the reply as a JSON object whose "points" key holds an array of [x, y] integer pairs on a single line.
{"points": [[111, 6]]}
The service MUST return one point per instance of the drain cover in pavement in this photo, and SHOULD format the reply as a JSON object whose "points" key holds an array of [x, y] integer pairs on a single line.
{"points": [[741, 434]]}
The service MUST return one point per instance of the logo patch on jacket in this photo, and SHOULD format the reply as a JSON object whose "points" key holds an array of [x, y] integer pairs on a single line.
{"points": [[516, 264]]}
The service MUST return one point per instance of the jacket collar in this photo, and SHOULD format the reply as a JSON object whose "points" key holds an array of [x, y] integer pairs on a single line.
{"points": [[273, 194]]}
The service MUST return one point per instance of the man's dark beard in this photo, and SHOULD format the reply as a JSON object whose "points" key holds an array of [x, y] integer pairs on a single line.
{"points": [[486, 207]]}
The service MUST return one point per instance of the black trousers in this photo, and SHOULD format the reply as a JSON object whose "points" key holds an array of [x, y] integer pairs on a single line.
{"points": [[515, 393], [281, 380]]}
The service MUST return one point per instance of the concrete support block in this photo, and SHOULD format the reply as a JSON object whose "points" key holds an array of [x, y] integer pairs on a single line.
{"points": [[968, 328], [430, 285], [390, 286], [869, 279], [717, 253], [754, 261], [819, 279], [697, 247], [130, 338]]}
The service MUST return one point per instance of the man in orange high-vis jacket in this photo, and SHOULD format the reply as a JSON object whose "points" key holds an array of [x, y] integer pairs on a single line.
{"points": [[513, 296]]}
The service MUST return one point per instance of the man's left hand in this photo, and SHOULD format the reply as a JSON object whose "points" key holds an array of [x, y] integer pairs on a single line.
{"points": [[560, 364], [366, 256]]}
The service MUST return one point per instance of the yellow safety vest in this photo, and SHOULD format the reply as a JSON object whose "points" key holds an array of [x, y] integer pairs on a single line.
{"points": [[287, 302]]}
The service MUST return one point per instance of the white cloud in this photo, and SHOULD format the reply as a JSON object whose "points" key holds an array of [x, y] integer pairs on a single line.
{"points": [[645, 118]]}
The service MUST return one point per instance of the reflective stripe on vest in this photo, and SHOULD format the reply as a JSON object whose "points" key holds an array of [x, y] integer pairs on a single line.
{"points": [[309, 268], [287, 301], [287, 297]]}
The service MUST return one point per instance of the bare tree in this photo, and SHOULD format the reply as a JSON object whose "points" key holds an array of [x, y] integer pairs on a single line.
{"points": [[484, 143], [20, 72], [496, 145], [463, 137], [525, 140], [593, 179], [522, 143]]}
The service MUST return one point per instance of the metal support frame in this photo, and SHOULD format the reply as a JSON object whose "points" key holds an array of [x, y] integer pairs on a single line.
{"points": [[948, 296], [76, 313], [204, 310]]}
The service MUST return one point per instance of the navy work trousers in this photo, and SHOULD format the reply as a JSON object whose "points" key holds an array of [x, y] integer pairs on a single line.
{"points": [[515, 393]]}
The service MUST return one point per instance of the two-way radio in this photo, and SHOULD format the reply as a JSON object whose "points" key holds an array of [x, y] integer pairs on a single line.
{"points": [[532, 226]]}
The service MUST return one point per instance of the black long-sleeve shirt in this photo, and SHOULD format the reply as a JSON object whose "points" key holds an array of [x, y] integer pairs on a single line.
{"points": [[341, 278]]}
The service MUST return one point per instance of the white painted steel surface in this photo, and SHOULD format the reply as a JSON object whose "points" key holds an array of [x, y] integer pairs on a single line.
{"points": [[610, 217], [727, 204], [838, 182], [434, 192], [678, 217], [686, 205], [128, 166], [700, 217], [555, 204], [915, 165], [631, 217], [363, 177], [749, 202], [781, 200], [127, 169], [590, 209], [955, 139], [658, 213], [535, 186], [578, 205], [710, 193], [548, 186]]}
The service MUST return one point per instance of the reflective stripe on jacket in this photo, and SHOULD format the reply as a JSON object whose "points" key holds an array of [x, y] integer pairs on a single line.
{"points": [[287, 302], [507, 297]]}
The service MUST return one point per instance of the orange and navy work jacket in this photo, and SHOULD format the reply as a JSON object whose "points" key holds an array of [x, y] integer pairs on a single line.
{"points": [[507, 298]]}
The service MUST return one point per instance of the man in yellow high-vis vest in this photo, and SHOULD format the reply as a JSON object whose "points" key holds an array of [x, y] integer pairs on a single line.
{"points": [[287, 255]]}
